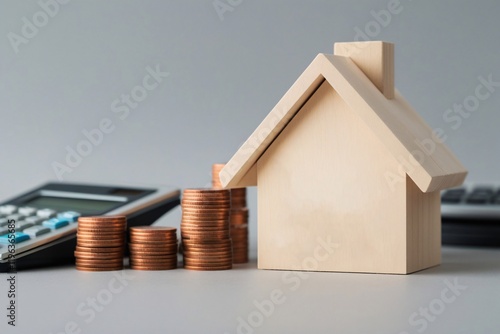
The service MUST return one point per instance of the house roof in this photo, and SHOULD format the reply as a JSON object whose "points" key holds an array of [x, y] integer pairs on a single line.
{"points": [[427, 161]]}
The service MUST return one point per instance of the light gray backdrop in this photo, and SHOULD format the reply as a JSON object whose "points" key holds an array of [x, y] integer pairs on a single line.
{"points": [[228, 63]]}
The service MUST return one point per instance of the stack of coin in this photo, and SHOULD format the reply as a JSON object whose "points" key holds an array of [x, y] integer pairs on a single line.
{"points": [[238, 198], [238, 217], [206, 241], [153, 248], [100, 243], [239, 234], [216, 168]]}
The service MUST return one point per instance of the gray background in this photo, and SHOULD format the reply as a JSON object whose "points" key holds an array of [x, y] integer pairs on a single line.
{"points": [[225, 75]]}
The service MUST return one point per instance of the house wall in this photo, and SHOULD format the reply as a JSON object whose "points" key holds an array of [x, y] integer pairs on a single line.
{"points": [[324, 181], [423, 228]]}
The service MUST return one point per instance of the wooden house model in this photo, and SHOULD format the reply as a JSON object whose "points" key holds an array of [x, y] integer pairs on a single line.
{"points": [[344, 160]]}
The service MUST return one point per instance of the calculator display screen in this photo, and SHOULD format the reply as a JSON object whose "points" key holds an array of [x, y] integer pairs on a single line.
{"points": [[83, 206]]}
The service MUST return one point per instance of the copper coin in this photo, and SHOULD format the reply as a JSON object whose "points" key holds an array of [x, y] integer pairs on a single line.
{"points": [[205, 191], [197, 228], [153, 237], [153, 242], [153, 255], [203, 234], [187, 227], [85, 255], [81, 268], [240, 212], [207, 261], [101, 223], [137, 267], [240, 261], [168, 236], [137, 262], [100, 230], [207, 247], [206, 205], [206, 201], [203, 268], [205, 213], [173, 250], [223, 226], [214, 216], [99, 261], [153, 247], [239, 238], [91, 219], [208, 258], [204, 220], [238, 191], [97, 237], [99, 249], [157, 247], [101, 267], [153, 229], [208, 243], [92, 244], [145, 249], [212, 198], [202, 254], [202, 251], [242, 227], [203, 237]]}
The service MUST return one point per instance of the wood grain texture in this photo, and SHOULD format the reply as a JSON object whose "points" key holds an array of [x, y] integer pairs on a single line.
{"points": [[423, 228], [330, 185], [394, 122], [375, 59]]}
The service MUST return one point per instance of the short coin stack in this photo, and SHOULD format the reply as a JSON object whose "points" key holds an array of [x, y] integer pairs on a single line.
{"points": [[206, 242], [153, 248], [100, 243], [238, 217]]}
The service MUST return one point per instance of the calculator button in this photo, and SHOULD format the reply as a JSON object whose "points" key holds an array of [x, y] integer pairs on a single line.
{"points": [[8, 209], [480, 196], [70, 215], [4, 222], [18, 237], [46, 213], [453, 196], [21, 225], [55, 223], [26, 211], [15, 217], [36, 231], [35, 220], [4, 230]]}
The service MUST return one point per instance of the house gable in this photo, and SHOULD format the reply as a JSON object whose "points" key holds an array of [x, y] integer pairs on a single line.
{"points": [[394, 122]]}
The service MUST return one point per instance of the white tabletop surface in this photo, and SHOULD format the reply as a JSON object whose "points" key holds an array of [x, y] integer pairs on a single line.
{"points": [[462, 295]]}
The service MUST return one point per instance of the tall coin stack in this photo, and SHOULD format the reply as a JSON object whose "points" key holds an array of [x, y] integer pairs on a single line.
{"points": [[100, 243], [153, 248], [206, 241], [238, 217]]}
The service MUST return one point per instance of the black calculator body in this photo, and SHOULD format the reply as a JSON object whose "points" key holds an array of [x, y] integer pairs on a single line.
{"points": [[38, 228], [471, 215]]}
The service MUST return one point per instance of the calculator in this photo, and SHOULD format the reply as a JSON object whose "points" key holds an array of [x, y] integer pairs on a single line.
{"points": [[471, 215], [45, 219]]}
